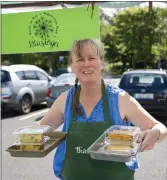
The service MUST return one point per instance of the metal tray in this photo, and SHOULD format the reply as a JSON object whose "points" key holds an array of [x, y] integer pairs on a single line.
{"points": [[56, 138], [95, 152]]}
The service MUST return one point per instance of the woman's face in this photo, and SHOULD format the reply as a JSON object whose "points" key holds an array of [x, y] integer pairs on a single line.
{"points": [[87, 67]]}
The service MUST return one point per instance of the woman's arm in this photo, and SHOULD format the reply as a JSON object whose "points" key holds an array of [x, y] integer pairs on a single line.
{"points": [[135, 113], [55, 116]]}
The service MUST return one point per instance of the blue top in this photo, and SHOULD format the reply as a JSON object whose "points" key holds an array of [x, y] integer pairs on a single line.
{"points": [[96, 116]]}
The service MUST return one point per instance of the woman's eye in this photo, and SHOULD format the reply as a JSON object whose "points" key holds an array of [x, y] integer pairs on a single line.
{"points": [[79, 60]]}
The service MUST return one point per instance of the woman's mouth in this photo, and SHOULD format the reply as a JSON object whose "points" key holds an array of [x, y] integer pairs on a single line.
{"points": [[87, 72]]}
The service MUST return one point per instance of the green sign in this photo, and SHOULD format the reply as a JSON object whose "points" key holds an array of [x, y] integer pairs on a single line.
{"points": [[48, 31]]}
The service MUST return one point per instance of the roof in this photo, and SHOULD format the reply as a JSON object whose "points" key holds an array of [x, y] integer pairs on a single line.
{"points": [[19, 67], [153, 71]]}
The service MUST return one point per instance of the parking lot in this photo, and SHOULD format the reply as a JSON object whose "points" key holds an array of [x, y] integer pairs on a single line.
{"points": [[152, 163]]}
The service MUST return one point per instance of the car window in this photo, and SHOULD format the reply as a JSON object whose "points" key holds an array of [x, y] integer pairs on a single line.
{"points": [[31, 75], [21, 75], [41, 76], [60, 71], [5, 76], [65, 79], [144, 79]]}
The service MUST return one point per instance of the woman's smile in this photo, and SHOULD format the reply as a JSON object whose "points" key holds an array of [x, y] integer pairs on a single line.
{"points": [[87, 72]]}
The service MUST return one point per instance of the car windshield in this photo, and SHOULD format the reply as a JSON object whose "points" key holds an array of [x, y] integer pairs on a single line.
{"points": [[5, 76], [65, 79], [60, 71], [149, 79]]}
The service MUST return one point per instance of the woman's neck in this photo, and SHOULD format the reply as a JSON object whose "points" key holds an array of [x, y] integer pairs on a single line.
{"points": [[91, 90]]}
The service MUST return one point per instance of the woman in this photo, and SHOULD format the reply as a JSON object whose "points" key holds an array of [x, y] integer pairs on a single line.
{"points": [[87, 111]]}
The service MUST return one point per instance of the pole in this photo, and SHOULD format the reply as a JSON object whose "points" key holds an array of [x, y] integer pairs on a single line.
{"points": [[150, 6]]}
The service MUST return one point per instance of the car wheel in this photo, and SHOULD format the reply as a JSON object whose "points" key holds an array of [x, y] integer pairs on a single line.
{"points": [[26, 104]]}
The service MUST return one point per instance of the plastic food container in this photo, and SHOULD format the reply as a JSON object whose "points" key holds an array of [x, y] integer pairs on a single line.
{"points": [[31, 146], [100, 150], [119, 149], [56, 138], [126, 134], [32, 134]]}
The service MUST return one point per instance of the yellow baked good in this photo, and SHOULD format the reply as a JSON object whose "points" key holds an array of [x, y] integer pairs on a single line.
{"points": [[120, 135], [31, 147], [31, 138], [119, 148]]}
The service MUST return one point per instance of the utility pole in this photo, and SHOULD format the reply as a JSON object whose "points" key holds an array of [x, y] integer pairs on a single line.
{"points": [[150, 6]]}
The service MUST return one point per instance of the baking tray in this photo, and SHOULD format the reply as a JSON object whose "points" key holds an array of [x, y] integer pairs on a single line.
{"points": [[56, 138], [95, 152]]}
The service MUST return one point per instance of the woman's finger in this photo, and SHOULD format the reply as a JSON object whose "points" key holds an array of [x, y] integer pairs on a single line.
{"points": [[141, 137], [144, 143], [143, 147]]}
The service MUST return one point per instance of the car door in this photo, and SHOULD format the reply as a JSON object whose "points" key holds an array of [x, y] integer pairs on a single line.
{"points": [[44, 83], [33, 83]]}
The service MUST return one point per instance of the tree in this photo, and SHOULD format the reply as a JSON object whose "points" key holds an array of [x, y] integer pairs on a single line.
{"points": [[131, 39]]}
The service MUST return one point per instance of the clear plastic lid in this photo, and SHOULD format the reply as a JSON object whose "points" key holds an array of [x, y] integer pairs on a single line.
{"points": [[120, 149], [32, 130], [122, 133], [122, 129], [121, 142], [46, 138]]}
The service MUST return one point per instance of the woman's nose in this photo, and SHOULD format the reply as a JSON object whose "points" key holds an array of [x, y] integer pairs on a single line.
{"points": [[86, 62]]}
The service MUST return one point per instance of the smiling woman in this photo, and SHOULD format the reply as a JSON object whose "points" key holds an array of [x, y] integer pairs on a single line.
{"points": [[87, 110], [86, 61]]}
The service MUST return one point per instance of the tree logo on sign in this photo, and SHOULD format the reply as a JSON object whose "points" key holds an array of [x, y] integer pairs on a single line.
{"points": [[43, 30]]}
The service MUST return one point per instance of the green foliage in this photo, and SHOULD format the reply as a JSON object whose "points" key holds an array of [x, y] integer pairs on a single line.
{"points": [[47, 61], [136, 36]]}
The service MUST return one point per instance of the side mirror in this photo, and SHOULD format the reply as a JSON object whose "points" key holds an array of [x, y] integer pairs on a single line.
{"points": [[50, 78]]}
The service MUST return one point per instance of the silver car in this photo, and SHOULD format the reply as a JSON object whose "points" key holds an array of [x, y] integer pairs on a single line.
{"points": [[61, 84], [23, 86]]}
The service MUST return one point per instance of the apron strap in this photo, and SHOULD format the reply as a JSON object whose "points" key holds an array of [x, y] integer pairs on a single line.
{"points": [[106, 109]]}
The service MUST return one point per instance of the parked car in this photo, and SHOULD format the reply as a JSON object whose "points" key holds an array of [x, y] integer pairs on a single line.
{"points": [[60, 71], [148, 87], [59, 85], [23, 86]]}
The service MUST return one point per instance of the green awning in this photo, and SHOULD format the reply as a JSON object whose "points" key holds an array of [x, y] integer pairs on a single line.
{"points": [[101, 4], [109, 4]]}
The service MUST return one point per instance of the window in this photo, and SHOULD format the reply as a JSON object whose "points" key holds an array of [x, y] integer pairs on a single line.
{"points": [[31, 75], [5, 76], [65, 79], [21, 75], [42, 76], [144, 79]]}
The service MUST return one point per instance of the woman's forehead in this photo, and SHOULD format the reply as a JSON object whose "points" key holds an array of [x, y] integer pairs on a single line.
{"points": [[86, 49]]}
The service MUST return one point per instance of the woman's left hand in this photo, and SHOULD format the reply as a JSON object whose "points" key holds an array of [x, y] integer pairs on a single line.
{"points": [[148, 138]]}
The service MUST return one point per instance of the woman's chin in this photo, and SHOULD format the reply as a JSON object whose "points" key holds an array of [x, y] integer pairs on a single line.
{"points": [[87, 81]]}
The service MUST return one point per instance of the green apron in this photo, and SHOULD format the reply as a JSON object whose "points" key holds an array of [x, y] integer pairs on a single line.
{"points": [[78, 165]]}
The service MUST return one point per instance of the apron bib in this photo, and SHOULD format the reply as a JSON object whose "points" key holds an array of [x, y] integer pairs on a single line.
{"points": [[78, 165]]}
